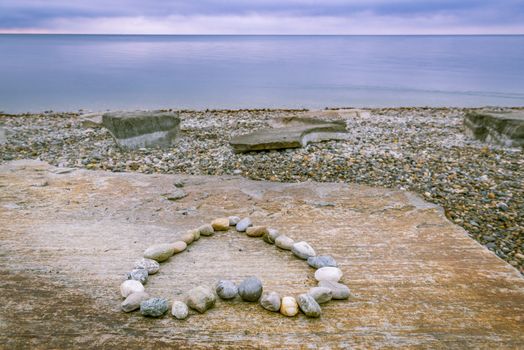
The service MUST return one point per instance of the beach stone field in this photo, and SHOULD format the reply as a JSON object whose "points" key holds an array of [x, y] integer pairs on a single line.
{"points": [[424, 150]]}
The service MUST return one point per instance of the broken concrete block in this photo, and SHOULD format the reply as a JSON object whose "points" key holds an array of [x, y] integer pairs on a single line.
{"points": [[502, 128]]}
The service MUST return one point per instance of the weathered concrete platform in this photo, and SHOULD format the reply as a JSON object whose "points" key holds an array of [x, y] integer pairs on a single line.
{"points": [[418, 281], [503, 128]]}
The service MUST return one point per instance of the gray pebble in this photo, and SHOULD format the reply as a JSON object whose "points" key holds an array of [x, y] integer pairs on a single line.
{"points": [[338, 290], [250, 289], [270, 301], [243, 224], [138, 275], [302, 250], [154, 307], [284, 242], [201, 298], [233, 220], [206, 230], [133, 301], [271, 236], [226, 289], [150, 265], [308, 305], [321, 294], [179, 310], [320, 261]]}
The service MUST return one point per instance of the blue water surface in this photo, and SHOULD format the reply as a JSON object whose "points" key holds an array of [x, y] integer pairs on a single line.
{"points": [[98, 72]]}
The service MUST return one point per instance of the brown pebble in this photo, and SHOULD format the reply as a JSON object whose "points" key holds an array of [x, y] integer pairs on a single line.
{"points": [[256, 231]]}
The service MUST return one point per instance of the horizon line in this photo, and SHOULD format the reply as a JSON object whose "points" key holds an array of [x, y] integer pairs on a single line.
{"points": [[231, 34]]}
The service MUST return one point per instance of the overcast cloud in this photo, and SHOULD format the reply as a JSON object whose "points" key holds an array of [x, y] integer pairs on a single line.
{"points": [[263, 17]]}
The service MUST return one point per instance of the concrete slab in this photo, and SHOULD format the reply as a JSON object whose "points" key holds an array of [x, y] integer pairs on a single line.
{"points": [[503, 128], [417, 280]]}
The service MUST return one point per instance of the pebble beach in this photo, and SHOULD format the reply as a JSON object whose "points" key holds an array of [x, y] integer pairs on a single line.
{"points": [[424, 150]]}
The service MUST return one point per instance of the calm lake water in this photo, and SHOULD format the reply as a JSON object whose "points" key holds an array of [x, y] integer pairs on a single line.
{"points": [[68, 72]]}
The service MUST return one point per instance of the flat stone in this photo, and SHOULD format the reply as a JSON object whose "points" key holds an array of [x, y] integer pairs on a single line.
{"points": [[220, 224], [150, 265], [321, 294], [289, 137], [328, 273], [289, 306], [129, 287], [250, 289], [256, 231], [139, 275], [502, 128], [302, 250], [154, 307], [338, 290], [201, 298], [270, 301], [226, 289], [321, 261], [243, 224], [206, 230], [271, 236], [308, 305], [133, 301], [142, 129], [179, 310], [179, 247], [159, 252], [284, 242]]}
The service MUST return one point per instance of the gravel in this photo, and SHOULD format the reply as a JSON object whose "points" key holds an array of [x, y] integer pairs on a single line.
{"points": [[424, 150]]}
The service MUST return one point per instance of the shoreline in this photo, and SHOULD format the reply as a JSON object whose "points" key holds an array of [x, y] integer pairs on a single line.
{"points": [[419, 149]]}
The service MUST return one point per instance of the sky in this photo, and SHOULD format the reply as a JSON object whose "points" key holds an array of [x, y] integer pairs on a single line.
{"points": [[262, 16]]}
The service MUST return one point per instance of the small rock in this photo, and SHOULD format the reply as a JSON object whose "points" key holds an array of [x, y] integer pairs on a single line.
{"points": [[221, 224], [179, 310], [271, 235], [179, 246], [159, 252], [178, 183], [201, 299], [150, 265], [256, 231], [308, 305], [138, 275], [243, 224], [328, 274], [206, 230], [196, 234], [233, 220], [338, 290], [133, 301], [188, 238], [320, 261], [289, 306], [270, 301], [321, 294], [176, 195], [503, 206], [284, 242], [226, 289], [129, 287], [303, 250], [250, 289], [154, 307]]}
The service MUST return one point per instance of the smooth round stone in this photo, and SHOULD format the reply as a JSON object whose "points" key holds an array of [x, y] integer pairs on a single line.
{"points": [[159, 252], [196, 234], [321, 261], [284, 242], [308, 305], [150, 265], [328, 274], [271, 236], [233, 220], [338, 290], [138, 275], [154, 307], [256, 231], [133, 301], [243, 224], [179, 246], [226, 289], [303, 250], [129, 287], [250, 289], [321, 294], [179, 310], [289, 306], [188, 238], [201, 298], [270, 301], [206, 230], [220, 224]]}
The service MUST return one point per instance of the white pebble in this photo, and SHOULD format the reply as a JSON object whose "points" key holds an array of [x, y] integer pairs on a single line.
{"points": [[130, 286], [328, 273]]}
